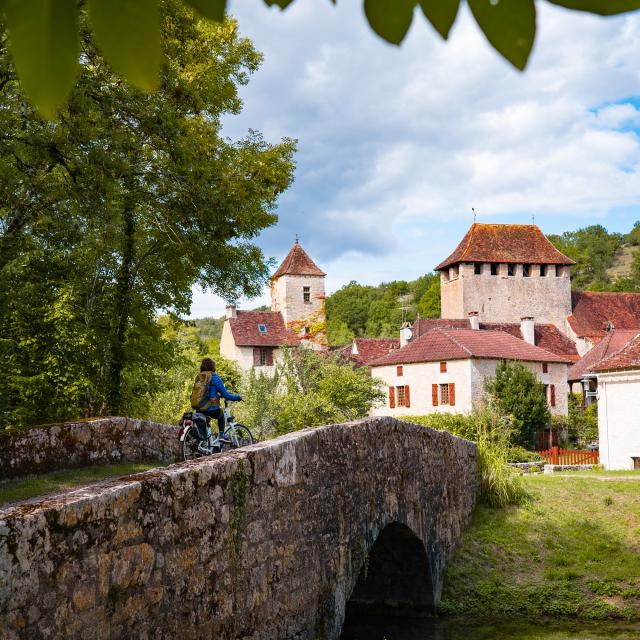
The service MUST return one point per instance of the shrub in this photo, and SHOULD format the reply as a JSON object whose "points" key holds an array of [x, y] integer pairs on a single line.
{"points": [[517, 393], [500, 485], [520, 454]]}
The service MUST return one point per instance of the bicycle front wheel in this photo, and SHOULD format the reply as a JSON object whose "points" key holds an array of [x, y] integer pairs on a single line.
{"points": [[240, 436]]}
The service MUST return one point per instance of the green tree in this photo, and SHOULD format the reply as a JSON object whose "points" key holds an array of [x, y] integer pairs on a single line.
{"points": [[338, 333], [517, 393], [116, 210], [429, 304], [308, 389]]}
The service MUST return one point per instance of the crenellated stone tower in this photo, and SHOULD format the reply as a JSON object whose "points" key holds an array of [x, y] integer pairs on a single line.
{"points": [[504, 272], [297, 293]]}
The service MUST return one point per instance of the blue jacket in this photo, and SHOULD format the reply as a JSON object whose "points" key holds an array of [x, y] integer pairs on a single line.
{"points": [[218, 390]]}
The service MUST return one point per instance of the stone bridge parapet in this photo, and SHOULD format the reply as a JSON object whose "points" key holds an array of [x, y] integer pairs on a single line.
{"points": [[264, 543]]}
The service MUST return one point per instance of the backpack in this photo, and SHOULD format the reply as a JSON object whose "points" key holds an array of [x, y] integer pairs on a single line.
{"points": [[200, 399]]}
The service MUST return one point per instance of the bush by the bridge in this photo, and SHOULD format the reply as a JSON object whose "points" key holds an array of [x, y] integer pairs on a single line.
{"points": [[499, 485], [308, 389]]}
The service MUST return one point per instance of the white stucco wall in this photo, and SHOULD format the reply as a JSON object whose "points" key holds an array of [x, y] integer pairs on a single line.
{"points": [[419, 377], [504, 298], [243, 356], [619, 418], [468, 376]]}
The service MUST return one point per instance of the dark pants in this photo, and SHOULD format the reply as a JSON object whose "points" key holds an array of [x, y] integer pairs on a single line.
{"points": [[217, 414]]}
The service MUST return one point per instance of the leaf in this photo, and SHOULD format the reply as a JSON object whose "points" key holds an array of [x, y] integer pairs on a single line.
{"points": [[128, 34], [212, 9], [509, 25], [45, 48], [390, 19], [441, 14], [601, 7], [283, 4]]}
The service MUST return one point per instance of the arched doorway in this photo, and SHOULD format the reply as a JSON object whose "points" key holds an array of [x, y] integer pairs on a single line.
{"points": [[395, 579]]}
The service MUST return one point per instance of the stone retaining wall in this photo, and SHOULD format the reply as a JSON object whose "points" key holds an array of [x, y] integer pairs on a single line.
{"points": [[264, 543], [80, 444]]}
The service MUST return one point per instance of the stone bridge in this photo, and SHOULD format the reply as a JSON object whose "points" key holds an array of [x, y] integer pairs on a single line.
{"points": [[275, 541]]}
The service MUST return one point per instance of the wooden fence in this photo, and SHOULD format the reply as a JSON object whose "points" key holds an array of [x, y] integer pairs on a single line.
{"points": [[555, 455]]}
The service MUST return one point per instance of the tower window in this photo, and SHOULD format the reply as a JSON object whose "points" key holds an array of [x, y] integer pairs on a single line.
{"points": [[543, 270], [511, 269], [306, 294], [526, 270], [558, 270], [494, 268], [262, 328], [477, 268]]}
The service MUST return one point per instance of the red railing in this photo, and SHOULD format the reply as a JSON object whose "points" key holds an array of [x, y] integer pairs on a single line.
{"points": [[555, 455]]}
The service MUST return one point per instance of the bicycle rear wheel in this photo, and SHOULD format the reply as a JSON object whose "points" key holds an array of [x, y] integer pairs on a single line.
{"points": [[189, 445], [240, 436]]}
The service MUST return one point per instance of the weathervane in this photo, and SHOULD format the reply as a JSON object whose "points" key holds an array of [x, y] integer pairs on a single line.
{"points": [[297, 239], [475, 214]]}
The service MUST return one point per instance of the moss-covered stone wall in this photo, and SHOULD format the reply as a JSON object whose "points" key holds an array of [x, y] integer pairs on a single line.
{"points": [[262, 543]]}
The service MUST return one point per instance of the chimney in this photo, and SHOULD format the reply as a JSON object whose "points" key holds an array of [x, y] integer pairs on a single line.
{"points": [[527, 329], [474, 320], [232, 312], [405, 334]]}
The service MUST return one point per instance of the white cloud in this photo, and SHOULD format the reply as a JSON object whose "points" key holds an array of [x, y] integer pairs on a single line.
{"points": [[394, 142]]}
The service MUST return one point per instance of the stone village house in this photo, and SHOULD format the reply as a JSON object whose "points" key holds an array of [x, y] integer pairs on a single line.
{"points": [[297, 317]]}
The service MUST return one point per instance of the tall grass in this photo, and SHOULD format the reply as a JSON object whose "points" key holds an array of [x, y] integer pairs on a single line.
{"points": [[500, 485]]}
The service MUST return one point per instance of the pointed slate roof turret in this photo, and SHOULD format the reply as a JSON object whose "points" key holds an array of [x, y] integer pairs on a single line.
{"points": [[298, 263], [514, 243]]}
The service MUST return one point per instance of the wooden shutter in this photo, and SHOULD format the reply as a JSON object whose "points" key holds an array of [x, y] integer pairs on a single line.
{"points": [[407, 399], [399, 371], [552, 395], [443, 367], [392, 398], [434, 395], [269, 357], [256, 356], [452, 394]]}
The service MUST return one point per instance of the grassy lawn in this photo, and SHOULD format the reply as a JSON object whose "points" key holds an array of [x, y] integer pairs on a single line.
{"points": [[30, 486], [573, 550]]}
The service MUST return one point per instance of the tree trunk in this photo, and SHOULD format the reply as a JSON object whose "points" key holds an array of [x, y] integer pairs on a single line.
{"points": [[121, 312]]}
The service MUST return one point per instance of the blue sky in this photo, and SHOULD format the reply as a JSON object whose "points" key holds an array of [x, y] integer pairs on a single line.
{"points": [[396, 145]]}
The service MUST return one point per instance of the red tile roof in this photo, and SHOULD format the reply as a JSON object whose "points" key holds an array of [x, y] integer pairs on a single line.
{"points": [[515, 243], [612, 342], [244, 329], [298, 263], [463, 344], [594, 310], [547, 336], [626, 358], [369, 349]]}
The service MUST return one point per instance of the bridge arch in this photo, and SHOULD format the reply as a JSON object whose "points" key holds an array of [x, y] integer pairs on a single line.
{"points": [[395, 579]]}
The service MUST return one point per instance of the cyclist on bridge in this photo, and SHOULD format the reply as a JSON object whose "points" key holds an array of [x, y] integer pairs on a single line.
{"points": [[205, 397]]}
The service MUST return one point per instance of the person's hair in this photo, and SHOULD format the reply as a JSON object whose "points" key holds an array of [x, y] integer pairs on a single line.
{"points": [[207, 365]]}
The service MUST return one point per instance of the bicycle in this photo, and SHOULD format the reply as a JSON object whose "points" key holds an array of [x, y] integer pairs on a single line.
{"points": [[234, 436]]}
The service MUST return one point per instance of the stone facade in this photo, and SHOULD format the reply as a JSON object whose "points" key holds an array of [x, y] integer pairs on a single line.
{"points": [[80, 444], [308, 320], [505, 298], [263, 543]]}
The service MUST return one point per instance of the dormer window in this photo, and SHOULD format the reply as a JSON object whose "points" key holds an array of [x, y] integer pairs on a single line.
{"points": [[306, 294], [262, 328]]}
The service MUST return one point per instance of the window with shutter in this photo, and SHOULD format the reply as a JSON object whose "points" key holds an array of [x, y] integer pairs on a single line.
{"points": [[392, 398], [399, 371], [256, 356], [407, 397], [444, 394], [545, 367], [400, 399], [434, 395], [269, 357], [443, 367], [552, 395], [452, 394]]}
